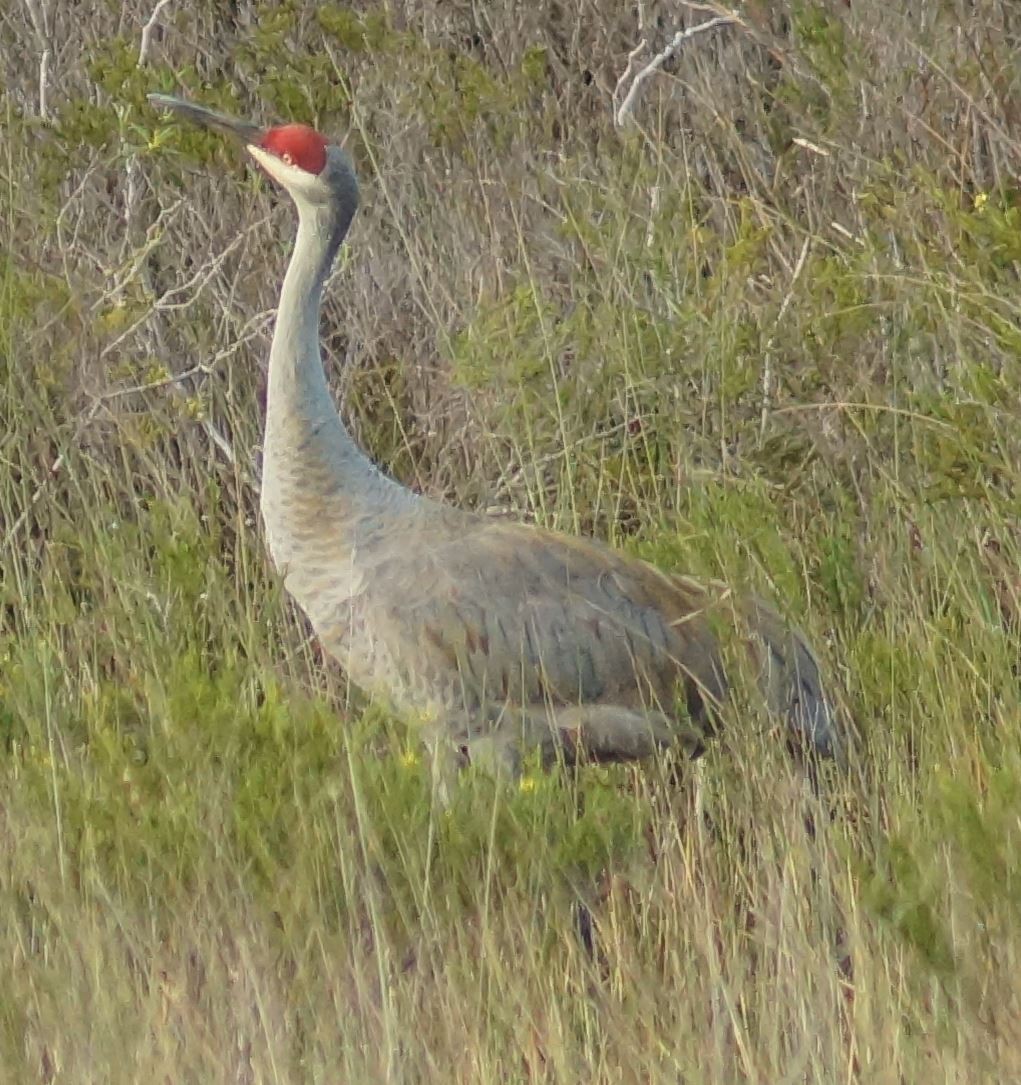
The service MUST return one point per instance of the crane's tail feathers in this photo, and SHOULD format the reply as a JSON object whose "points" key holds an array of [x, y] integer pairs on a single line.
{"points": [[790, 680]]}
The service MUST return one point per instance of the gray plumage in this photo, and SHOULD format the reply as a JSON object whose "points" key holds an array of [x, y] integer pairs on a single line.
{"points": [[500, 636]]}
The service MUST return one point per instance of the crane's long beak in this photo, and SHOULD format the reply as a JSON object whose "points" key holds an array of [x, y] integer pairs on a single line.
{"points": [[244, 131]]}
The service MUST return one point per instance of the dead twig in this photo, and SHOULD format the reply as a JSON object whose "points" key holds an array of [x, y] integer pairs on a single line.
{"points": [[626, 107], [150, 26], [767, 366], [38, 17]]}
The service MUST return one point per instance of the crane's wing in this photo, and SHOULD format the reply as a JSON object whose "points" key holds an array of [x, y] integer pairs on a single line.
{"points": [[530, 617], [503, 613]]}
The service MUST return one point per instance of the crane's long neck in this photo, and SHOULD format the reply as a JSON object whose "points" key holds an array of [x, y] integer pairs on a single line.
{"points": [[321, 496], [298, 393]]}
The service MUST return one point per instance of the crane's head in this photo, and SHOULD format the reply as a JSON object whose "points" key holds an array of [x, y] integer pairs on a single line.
{"points": [[313, 170]]}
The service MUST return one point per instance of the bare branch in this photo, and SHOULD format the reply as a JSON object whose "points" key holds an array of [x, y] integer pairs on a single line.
{"points": [[136, 251], [133, 170], [657, 62], [150, 26], [37, 16], [628, 73], [178, 297]]}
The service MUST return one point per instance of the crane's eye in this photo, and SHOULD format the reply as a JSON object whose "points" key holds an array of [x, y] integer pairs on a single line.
{"points": [[287, 159]]}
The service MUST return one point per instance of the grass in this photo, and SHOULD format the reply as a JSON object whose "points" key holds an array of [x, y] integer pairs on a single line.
{"points": [[770, 333]]}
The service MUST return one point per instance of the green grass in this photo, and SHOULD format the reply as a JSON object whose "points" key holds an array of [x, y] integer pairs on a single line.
{"points": [[725, 351]]}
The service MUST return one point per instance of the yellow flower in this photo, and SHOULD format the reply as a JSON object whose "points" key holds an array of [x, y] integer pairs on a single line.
{"points": [[409, 759], [527, 783], [981, 199]]}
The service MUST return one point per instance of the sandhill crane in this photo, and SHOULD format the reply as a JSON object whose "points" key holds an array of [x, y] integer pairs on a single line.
{"points": [[508, 638]]}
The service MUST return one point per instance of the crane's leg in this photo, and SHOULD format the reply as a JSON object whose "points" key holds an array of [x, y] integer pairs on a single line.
{"points": [[445, 762]]}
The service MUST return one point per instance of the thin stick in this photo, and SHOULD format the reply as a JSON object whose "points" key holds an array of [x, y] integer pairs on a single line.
{"points": [[150, 26], [627, 74], [657, 62], [767, 368], [37, 17]]}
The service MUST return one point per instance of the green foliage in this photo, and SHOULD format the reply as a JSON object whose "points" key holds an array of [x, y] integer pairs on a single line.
{"points": [[904, 894], [831, 56], [357, 31], [981, 826], [520, 321], [945, 884], [538, 825]]}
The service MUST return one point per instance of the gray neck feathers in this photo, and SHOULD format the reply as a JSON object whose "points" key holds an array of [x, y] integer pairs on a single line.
{"points": [[316, 481], [296, 378]]}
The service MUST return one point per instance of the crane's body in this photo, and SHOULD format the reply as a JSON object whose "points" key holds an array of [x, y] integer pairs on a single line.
{"points": [[487, 628]]}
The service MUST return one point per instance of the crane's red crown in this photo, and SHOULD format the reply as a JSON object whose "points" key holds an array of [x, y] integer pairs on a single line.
{"points": [[297, 145]]}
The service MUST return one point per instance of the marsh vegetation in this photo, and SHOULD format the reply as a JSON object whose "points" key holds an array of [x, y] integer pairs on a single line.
{"points": [[768, 330]]}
